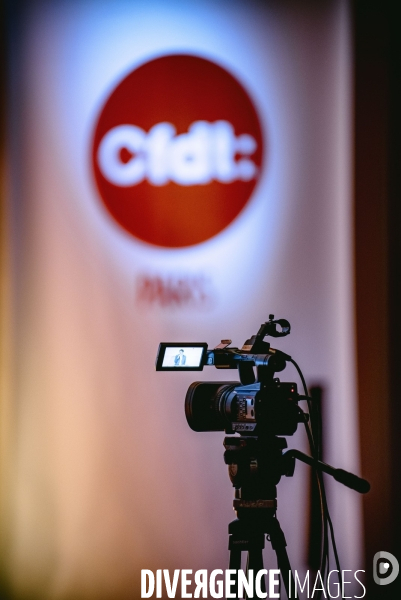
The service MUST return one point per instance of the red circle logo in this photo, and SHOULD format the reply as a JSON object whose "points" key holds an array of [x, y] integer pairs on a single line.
{"points": [[177, 151]]}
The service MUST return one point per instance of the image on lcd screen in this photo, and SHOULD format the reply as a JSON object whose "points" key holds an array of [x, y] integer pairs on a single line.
{"points": [[183, 357]]}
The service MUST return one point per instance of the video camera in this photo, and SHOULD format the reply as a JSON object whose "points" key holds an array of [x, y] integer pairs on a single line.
{"points": [[259, 407], [253, 406]]}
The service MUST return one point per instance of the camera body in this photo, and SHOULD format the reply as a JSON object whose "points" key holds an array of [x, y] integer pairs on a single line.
{"points": [[255, 405]]}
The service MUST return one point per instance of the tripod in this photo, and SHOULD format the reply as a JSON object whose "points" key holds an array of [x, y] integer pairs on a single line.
{"points": [[255, 468]]}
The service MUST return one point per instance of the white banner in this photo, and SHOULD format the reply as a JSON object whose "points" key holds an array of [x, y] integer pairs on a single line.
{"points": [[184, 170]]}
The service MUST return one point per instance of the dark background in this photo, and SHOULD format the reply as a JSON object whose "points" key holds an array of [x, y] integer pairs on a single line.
{"points": [[377, 100]]}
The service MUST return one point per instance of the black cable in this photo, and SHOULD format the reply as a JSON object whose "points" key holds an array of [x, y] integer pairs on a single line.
{"points": [[323, 506], [326, 519], [306, 395], [325, 513], [300, 375]]}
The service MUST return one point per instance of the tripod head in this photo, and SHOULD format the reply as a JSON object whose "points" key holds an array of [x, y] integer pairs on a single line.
{"points": [[255, 467]]}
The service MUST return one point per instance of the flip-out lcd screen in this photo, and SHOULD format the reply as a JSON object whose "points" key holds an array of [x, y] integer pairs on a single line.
{"points": [[180, 357]]}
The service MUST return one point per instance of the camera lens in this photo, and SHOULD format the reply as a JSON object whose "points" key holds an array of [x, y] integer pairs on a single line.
{"points": [[228, 406], [205, 404]]}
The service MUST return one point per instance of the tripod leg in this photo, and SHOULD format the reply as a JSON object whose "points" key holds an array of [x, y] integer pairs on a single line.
{"points": [[235, 563], [255, 563], [279, 544], [283, 564], [235, 559]]}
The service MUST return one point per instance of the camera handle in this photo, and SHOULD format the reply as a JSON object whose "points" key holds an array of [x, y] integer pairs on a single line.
{"points": [[345, 477]]}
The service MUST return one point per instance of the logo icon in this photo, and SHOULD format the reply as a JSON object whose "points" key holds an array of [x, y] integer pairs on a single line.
{"points": [[385, 568], [177, 150]]}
